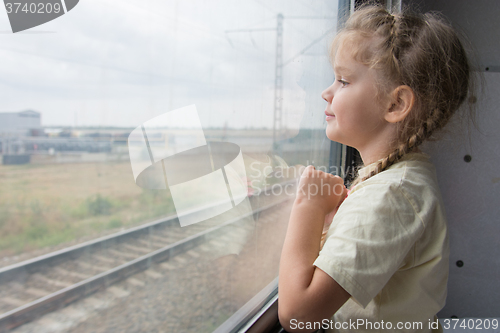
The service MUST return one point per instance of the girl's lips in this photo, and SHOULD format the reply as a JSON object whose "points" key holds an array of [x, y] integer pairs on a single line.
{"points": [[329, 116]]}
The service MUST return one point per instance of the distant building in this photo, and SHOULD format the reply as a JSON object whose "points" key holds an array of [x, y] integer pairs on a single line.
{"points": [[22, 123]]}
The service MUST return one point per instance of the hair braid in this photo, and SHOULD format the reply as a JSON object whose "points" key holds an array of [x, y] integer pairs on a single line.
{"points": [[425, 131], [392, 40], [392, 26]]}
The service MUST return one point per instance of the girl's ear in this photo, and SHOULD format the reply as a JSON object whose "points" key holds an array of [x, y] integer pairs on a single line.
{"points": [[401, 102]]}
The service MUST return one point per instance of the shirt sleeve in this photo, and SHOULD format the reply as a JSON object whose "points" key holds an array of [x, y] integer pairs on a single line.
{"points": [[372, 232]]}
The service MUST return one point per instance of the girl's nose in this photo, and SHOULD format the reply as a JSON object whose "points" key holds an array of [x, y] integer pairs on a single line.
{"points": [[327, 94]]}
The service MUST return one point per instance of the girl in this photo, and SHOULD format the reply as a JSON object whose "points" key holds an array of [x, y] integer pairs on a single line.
{"points": [[384, 265]]}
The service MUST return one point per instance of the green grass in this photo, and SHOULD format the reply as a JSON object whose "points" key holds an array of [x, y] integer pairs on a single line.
{"points": [[47, 205]]}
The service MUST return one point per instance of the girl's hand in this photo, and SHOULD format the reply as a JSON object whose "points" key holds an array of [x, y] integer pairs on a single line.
{"points": [[323, 190], [329, 216], [329, 219]]}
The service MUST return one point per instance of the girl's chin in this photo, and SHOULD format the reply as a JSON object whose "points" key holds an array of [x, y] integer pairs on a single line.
{"points": [[335, 138], [331, 135]]}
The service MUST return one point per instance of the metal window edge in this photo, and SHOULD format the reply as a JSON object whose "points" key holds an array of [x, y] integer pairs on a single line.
{"points": [[260, 321], [252, 311]]}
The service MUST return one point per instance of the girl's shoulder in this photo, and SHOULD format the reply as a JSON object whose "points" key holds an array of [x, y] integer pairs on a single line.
{"points": [[414, 174], [409, 187]]}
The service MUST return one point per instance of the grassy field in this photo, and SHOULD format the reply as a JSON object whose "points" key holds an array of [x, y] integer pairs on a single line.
{"points": [[47, 205]]}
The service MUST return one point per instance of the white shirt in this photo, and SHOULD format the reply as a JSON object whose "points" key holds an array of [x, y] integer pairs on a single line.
{"points": [[388, 248]]}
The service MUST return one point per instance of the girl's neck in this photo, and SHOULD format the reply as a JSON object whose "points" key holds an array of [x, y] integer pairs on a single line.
{"points": [[368, 158]]}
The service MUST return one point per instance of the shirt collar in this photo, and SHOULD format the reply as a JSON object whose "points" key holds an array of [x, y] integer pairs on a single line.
{"points": [[365, 171]]}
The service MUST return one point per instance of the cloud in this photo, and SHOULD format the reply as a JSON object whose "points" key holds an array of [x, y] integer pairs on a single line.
{"points": [[117, 63]]}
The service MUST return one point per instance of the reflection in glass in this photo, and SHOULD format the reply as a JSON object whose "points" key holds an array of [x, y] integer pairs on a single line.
{"points": [[99, 92]]}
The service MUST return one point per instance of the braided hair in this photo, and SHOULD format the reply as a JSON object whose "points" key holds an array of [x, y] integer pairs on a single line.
{"points": [[421, 51]]}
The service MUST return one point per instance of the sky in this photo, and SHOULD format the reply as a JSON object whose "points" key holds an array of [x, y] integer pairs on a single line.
{"points": [[122, 62]]}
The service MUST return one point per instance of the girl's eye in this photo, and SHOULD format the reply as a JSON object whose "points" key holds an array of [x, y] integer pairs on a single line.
{"points": [[344, 83]]}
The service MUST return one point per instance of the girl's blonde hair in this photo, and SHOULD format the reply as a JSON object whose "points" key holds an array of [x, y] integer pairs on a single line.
{"points": [[421, 51]]}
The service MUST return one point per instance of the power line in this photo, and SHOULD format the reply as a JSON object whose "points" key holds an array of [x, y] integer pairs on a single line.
{"points": [[307, 5], [250, 30], [278, 81], [308, 47], [266, 6], [170, 79], [311, 17]]}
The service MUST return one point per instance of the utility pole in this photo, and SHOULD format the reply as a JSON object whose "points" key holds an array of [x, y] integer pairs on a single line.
{"points": [[278, 81], [278, 78]]}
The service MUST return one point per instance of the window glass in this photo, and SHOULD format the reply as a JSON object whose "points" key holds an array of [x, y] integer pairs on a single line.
{"points": [[149, 157]]}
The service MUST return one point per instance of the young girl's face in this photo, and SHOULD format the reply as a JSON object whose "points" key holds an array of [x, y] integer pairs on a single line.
{"points": [[354, 113]]}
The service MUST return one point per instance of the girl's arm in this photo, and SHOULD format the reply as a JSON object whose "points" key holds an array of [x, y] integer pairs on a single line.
{"points": [[306, 293]]}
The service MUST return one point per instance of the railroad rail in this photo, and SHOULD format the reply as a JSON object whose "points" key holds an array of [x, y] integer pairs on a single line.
{"points": [[41, 285]]}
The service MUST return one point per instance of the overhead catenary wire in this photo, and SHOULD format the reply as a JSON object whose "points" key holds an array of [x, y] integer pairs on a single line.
{"points": [[308, 46], [279, 64]]}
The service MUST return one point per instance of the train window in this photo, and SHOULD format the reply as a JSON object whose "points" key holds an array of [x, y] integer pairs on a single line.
{"points": [[149, 157]]}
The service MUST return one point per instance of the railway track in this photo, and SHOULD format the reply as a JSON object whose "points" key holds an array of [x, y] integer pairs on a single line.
{"points": [[41, 285]]}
